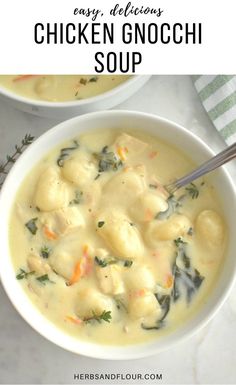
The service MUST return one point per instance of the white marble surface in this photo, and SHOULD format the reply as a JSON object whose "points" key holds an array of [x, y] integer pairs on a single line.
{"points": [[207, 358]]}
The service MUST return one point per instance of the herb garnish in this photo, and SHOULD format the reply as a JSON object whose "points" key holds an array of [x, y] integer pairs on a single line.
{"points": [[128, 263], [104, 316], [192, 190], [44, 279], [107, 160], [94, 79], [45, 252], [10, 159], [77, 199], [23, 274], [101, 223], [65, 153], [31, 225], [105, 262], [83, 81]]}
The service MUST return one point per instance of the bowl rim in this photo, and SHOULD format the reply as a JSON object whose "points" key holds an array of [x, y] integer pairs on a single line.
{"points": [[120, 350], [4, 91]]}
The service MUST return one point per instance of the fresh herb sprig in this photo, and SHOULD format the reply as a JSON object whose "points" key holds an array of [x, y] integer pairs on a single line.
{"points": [[10, 159], [104, 316], [44, 279], [24, 274]]}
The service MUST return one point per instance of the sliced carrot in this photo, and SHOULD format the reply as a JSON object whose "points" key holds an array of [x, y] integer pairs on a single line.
{"points": [[169, 281], [141, 292], [148, 215], [76, 274], [49, 234], [24, 77], [76, 321], [120, 151], [152, 154]]}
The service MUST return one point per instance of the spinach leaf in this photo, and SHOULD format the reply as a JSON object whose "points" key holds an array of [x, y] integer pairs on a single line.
{"points": [[31, 226], [173, 205], [107, 161], [23, 274], [45, 252], [65, 153], [77, 199], [164, 301]]}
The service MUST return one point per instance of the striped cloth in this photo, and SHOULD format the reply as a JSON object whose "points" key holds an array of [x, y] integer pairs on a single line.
{"points": [[218, 96]]}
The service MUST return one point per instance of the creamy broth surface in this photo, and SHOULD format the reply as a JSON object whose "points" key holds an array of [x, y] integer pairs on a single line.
{"points": [[100, 247], [61, 88]]}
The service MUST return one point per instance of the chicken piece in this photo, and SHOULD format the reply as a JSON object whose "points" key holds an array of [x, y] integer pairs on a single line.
{"points": [[38, 265], [63, 221], [126, 146]]}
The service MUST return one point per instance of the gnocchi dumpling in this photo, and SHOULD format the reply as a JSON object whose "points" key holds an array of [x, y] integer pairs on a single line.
{"points": [[51, 192], [120, 235], [125, 187], [140, 276], [80, 170], [210, 229], [91, 301], [143, 304], [110, 280], [176, 226], [147, 206]]}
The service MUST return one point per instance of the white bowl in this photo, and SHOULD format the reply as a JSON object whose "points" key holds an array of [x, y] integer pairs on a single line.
{"points": [[171, 133], [68, 109]]}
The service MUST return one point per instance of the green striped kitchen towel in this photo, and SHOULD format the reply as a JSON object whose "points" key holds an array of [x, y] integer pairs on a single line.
{"points": [[218, 96]]}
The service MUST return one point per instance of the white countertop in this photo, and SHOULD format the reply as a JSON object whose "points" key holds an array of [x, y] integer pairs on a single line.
{"points": [[207, 358]]}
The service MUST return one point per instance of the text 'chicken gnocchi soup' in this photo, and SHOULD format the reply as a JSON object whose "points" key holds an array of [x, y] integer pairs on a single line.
{"points": [[102, 249]]}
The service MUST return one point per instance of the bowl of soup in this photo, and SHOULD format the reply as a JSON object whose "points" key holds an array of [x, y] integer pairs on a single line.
{"points": [[96, 255], [64, 96]]}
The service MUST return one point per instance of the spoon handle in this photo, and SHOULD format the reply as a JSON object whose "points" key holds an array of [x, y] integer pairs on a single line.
{"points": [[223, 157]]}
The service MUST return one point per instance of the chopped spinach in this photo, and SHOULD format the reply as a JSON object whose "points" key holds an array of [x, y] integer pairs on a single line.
{"points": [[101, 223], [77, 199], [107, 160], [31, 225], [164, 302], [190, 231], [83, 81], [173, 205], [24, 274], [45, 252], [106, 261], [65, 153]]}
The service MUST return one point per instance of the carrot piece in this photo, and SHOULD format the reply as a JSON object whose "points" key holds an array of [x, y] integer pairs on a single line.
{"points": [[169, 281], [49, 234], [120, 151], [76, 321], [76, 274], [148, 215], [24, 77], [152, 154]]}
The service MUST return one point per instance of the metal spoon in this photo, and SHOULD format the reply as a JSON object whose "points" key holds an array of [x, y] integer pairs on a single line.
{"points": [[223, 157]]}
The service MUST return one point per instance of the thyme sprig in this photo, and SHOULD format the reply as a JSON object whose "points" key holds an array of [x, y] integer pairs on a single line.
{"points": [[104, 316], [10, 159]]}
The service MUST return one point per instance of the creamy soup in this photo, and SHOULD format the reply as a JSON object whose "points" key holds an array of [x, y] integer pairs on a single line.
{"points": [[103, 251], [60, 88]]}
